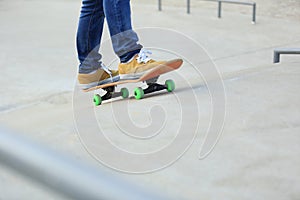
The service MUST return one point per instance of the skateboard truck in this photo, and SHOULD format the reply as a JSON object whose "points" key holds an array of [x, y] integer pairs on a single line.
{"points": [[139, 92], [153, 87], [110, 93]]}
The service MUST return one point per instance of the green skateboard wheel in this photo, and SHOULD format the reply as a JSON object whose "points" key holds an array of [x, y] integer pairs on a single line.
{"points": [[97, 99], [170, 85], [125, 93], [138, 93]]}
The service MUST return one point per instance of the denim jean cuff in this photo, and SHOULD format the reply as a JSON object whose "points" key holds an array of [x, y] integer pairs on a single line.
{"points": [[127, 56]]}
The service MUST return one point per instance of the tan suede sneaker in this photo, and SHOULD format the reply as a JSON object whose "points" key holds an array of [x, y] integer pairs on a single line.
{"points": [[97, 77], [137, 66]]}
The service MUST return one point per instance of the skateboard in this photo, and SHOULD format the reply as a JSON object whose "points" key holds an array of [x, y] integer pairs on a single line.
{"points": [[150, 78]]}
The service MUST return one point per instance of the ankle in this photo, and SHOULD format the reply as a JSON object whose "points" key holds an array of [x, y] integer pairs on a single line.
{"points": [[126, 58]]}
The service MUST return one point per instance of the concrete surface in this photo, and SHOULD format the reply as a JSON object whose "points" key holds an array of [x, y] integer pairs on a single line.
{"points": [[257, 156]]}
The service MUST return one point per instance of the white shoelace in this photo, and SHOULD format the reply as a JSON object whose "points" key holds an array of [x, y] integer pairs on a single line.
{"points": [[107, 70], [143, 56]]}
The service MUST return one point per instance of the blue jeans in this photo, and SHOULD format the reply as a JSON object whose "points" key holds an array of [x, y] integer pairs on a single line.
{"points": [[90, 28]]}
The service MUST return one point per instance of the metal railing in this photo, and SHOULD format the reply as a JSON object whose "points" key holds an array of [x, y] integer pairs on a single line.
{"points": [[188, 5], [279, 51], [253, 4], [62, 174]]}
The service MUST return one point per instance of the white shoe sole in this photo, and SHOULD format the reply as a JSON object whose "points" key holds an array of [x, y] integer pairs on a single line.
{"points": [[133, 76], [93, 84]]}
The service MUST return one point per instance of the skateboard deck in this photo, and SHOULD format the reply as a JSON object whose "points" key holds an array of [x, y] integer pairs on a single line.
{"points": [[150, 78]]}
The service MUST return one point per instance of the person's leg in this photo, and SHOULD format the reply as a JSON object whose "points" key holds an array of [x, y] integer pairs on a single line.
{"points": [[124, 39], [91, 71], [89, 34], [134, 61]]}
